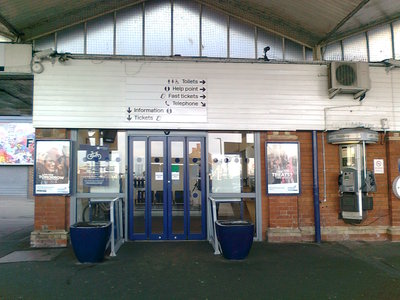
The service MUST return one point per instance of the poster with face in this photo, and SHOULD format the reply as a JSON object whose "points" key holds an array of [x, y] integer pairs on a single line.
{"points": [[52, 172], [282, 167]]}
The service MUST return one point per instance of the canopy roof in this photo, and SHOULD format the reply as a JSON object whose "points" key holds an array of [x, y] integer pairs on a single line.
{"points": [[309, 22]]}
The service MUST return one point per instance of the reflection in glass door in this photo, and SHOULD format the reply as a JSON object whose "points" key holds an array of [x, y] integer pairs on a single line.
{"points": [[167, 184]]}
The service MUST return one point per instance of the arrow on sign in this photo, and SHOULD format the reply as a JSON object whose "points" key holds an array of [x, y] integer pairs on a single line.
{"points": [[202, 81], [203, 89], [129, 117], [203, 104], [203, 96], [129, 110]]}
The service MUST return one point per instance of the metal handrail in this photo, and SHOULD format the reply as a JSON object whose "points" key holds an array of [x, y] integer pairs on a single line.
{"points": [[119, 240]]}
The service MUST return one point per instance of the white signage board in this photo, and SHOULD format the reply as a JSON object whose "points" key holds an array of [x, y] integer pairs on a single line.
{"points": [[379, 167], [166, 100], [158, 176]]}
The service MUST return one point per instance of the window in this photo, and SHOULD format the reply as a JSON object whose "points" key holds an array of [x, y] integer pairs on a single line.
{"points": [[309, 54], [186, 28], [71, 40], [380, 43], [100, 35], [232, 173], [332, 52], [157, 35], [129, 31], [214, 34], [241, 40], [44, 43], [293, 51], [100, 167], [355, 48], [165, 28], [274, 42], [232, 162]]}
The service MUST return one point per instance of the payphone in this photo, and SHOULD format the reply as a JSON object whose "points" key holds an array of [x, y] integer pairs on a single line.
{"points": [[355, 181]]}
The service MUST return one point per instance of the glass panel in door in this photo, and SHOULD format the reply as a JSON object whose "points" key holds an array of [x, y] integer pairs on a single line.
{"points": [[195, 187], [157, 211], [139, 186], [177, 188]]}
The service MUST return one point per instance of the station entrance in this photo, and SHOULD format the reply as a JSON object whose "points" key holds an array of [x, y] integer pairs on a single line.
{"points": [[167, 191]]}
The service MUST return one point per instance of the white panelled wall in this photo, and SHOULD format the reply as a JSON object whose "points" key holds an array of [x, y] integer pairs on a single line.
{"points": [[240, 96]]}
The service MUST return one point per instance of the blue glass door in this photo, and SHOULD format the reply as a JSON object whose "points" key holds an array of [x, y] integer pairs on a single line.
{"points": [[167, 188]]}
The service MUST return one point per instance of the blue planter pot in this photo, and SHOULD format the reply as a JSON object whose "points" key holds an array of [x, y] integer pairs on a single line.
{"points": [[89, 240], [235, 238]]}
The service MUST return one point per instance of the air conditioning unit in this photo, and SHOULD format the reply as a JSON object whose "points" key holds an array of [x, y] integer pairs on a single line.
{"points": [[348, 78]]}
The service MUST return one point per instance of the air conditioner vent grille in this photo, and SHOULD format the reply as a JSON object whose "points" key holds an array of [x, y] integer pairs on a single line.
{"points": [[346, 75], [348, 78]]}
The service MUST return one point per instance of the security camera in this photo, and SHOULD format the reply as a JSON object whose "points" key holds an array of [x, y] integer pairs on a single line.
{"points": [[394, 62], [44, 53], [391, 62]]}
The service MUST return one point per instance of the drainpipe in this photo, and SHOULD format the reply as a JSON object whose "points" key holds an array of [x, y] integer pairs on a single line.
{"points": [[316, 187]]}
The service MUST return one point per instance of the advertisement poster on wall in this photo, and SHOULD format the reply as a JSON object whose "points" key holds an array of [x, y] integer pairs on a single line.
{"points": [[282, 165], [52, 171], [16, 143]]}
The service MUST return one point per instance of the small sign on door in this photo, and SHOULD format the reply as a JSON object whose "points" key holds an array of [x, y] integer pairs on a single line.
{"points": [[379, 167]]}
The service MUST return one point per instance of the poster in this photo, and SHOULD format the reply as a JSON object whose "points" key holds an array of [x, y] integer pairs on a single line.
{"points": [[16, 143], [94, 165], [282, 165], [52, 172]]}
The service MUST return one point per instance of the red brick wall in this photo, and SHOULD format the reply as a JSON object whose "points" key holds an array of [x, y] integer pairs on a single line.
{"points": [[297, 212], [51, 213]]}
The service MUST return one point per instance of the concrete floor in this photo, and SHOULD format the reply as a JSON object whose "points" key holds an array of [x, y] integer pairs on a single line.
{"points": [[16, 213], [190, 270]]}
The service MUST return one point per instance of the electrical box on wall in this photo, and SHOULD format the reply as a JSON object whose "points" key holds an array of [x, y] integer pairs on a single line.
{"points": [[348, 78], [15, 58]]}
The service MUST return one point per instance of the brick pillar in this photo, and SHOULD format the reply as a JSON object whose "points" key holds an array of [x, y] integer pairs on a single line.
{"points": [[51, 212], [51, 222], [393, 156]]}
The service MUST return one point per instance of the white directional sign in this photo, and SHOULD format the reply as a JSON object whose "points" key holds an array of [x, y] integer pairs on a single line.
{"points": [[166, 100]]}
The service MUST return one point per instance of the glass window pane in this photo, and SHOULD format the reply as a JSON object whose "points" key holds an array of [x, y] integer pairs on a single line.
{"points": [[100, 161], [100, 35], [214, 32], [157, 186], [129, 31], [355, 48], [396, 37], [273, 41], [157, 28], [309, 54], [232, 158], [241, 40], [186, 28], [293, 51], [71, 40], [195, 195], [178, 186], [45, 42], [139, 186], [332, 52], [380, 43]]}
